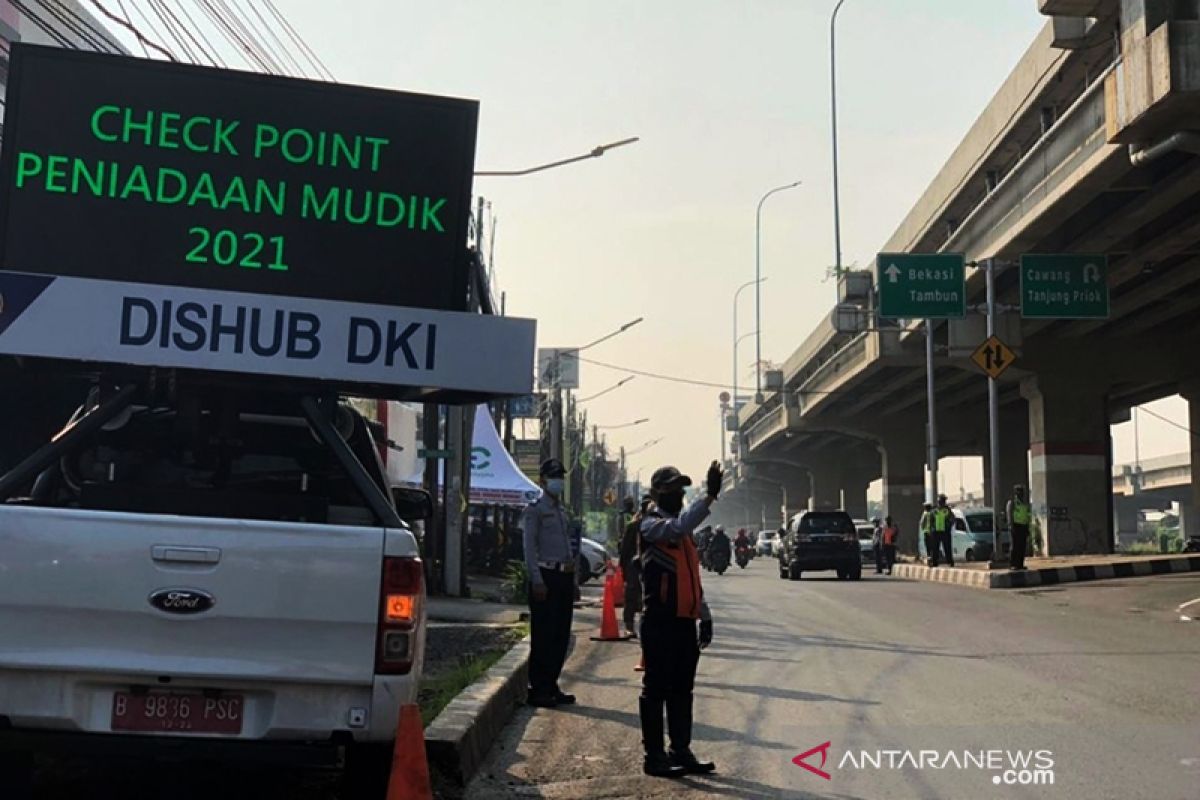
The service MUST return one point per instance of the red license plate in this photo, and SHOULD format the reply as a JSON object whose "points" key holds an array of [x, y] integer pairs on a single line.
{"points": [[157, 712]]}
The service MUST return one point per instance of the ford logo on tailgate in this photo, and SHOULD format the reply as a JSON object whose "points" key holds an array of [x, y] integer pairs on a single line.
{"points": [[182, 601]]}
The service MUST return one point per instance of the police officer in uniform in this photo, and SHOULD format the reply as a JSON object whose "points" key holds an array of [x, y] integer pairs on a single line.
{"points": [[943, 527], [550, 548], [1020, 515], [926, 528], [674, 602]]}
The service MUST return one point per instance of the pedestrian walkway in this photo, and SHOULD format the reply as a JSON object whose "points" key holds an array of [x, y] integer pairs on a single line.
{"points": [[465, 609]]}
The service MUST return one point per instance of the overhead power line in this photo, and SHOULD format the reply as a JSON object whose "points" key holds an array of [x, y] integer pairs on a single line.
{"points": [[283, 48], [129, 26], [1169, 421], [46, 28], [80, 25], [171, 23], [312, 57]]}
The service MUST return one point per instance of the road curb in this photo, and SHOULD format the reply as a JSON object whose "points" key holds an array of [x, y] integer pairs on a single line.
{"points": [[457, 741], [1004, 579]]}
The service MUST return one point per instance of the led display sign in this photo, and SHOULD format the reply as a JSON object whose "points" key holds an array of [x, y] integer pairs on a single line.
{"points": [[147, 172]]}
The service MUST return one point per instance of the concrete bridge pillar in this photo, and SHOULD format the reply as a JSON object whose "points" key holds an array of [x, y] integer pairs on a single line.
{"points": [[795, 495], [1191, 393], [1069, 442], [903, 451], [1189, 522], [1127, 513], [826, 488], [855, 480]]}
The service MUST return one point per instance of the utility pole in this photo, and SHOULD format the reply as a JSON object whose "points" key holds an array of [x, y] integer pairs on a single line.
{"points": [[932, 429], [997, 559], [623, 479], [460, 427], [433, 550]]}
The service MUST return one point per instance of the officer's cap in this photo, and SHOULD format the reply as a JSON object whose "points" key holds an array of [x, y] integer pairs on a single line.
{"points": [[552, 468], [667, 479]]}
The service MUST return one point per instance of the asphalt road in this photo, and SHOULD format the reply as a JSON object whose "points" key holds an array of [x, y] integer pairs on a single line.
{"points": [[1103, 676]]}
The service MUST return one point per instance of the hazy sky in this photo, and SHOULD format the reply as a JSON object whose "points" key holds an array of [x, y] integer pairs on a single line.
{"points": [[730, 99]]}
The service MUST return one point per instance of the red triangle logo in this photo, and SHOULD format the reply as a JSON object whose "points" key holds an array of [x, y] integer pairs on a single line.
{"points": [[823, 749]]}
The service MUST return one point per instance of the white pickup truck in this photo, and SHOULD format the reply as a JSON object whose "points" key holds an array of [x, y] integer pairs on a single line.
{"points": [[213, 570]]}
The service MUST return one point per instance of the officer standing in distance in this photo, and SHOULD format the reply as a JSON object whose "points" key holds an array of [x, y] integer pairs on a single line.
{"points": [[674, 601], [1020, 516], [943, 530], [926, 528], [550, 548]]}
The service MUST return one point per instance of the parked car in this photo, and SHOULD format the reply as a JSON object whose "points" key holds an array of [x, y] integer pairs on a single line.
{"points": [[765, 542], [592, 560], [821, 540], [225, 571], [866, 540], [971, 539]]}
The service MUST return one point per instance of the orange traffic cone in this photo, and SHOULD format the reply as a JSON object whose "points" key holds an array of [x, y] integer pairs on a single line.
{"points": [[608, 616], [410, 770], [619, 590]]}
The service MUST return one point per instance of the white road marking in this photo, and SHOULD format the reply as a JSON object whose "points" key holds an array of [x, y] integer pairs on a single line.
{"points": [[1184, 617]]}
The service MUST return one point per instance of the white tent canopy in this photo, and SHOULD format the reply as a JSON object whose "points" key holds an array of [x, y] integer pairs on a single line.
{"points": [[495, 477]]}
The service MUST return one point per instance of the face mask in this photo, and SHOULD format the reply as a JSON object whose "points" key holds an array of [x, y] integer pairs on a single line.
{"points": [[554, 486], [671, 503]]}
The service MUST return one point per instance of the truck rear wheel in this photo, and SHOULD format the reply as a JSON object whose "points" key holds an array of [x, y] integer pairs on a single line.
{"points": [[368, 767], [16, 775]]}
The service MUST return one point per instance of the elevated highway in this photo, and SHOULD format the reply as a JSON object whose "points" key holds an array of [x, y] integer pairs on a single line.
{"points": [[1090, 146]]}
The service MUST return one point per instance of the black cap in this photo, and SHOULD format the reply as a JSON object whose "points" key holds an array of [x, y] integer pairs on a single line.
{"points": [[552, 468], [666, 479]]}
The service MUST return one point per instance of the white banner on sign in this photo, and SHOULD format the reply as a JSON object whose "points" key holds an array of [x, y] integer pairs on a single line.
{"points": [[162, 326]]}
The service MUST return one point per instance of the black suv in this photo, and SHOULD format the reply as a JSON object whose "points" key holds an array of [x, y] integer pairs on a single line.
{"points": [[819, 540]]}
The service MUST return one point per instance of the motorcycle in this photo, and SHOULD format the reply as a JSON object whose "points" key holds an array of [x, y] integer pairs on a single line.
{"points": [[743, 556], [718, 559]]}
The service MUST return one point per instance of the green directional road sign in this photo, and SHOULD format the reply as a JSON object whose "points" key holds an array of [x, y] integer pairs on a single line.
{"points": [[1064, 286], [921, 285]]}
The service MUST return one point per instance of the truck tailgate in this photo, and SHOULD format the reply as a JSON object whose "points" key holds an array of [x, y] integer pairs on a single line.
{"points": [[290, 601]]}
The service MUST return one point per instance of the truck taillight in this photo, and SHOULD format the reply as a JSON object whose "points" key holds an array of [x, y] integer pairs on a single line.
{"points": [[400, 610]]}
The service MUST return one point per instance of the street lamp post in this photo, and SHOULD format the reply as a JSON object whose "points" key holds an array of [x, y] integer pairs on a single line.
{"points": [[612, 388], [641, 421], [595, 152], [736, 294], [837, 211], [758, 395], [556, 421]]}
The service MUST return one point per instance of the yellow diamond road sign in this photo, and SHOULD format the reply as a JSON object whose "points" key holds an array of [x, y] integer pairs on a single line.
{"points": [[993, 357]]}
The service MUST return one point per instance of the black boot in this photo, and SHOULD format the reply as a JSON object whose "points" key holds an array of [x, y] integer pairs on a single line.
{"points": [[656, 763], [679, 724]]}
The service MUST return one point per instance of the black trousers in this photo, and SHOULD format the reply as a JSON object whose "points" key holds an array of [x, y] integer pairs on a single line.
{"points": [[1020, 542], [671, 653], [889, 557], [878, 557], [943, 543], [550, 629], [633, 598]]}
